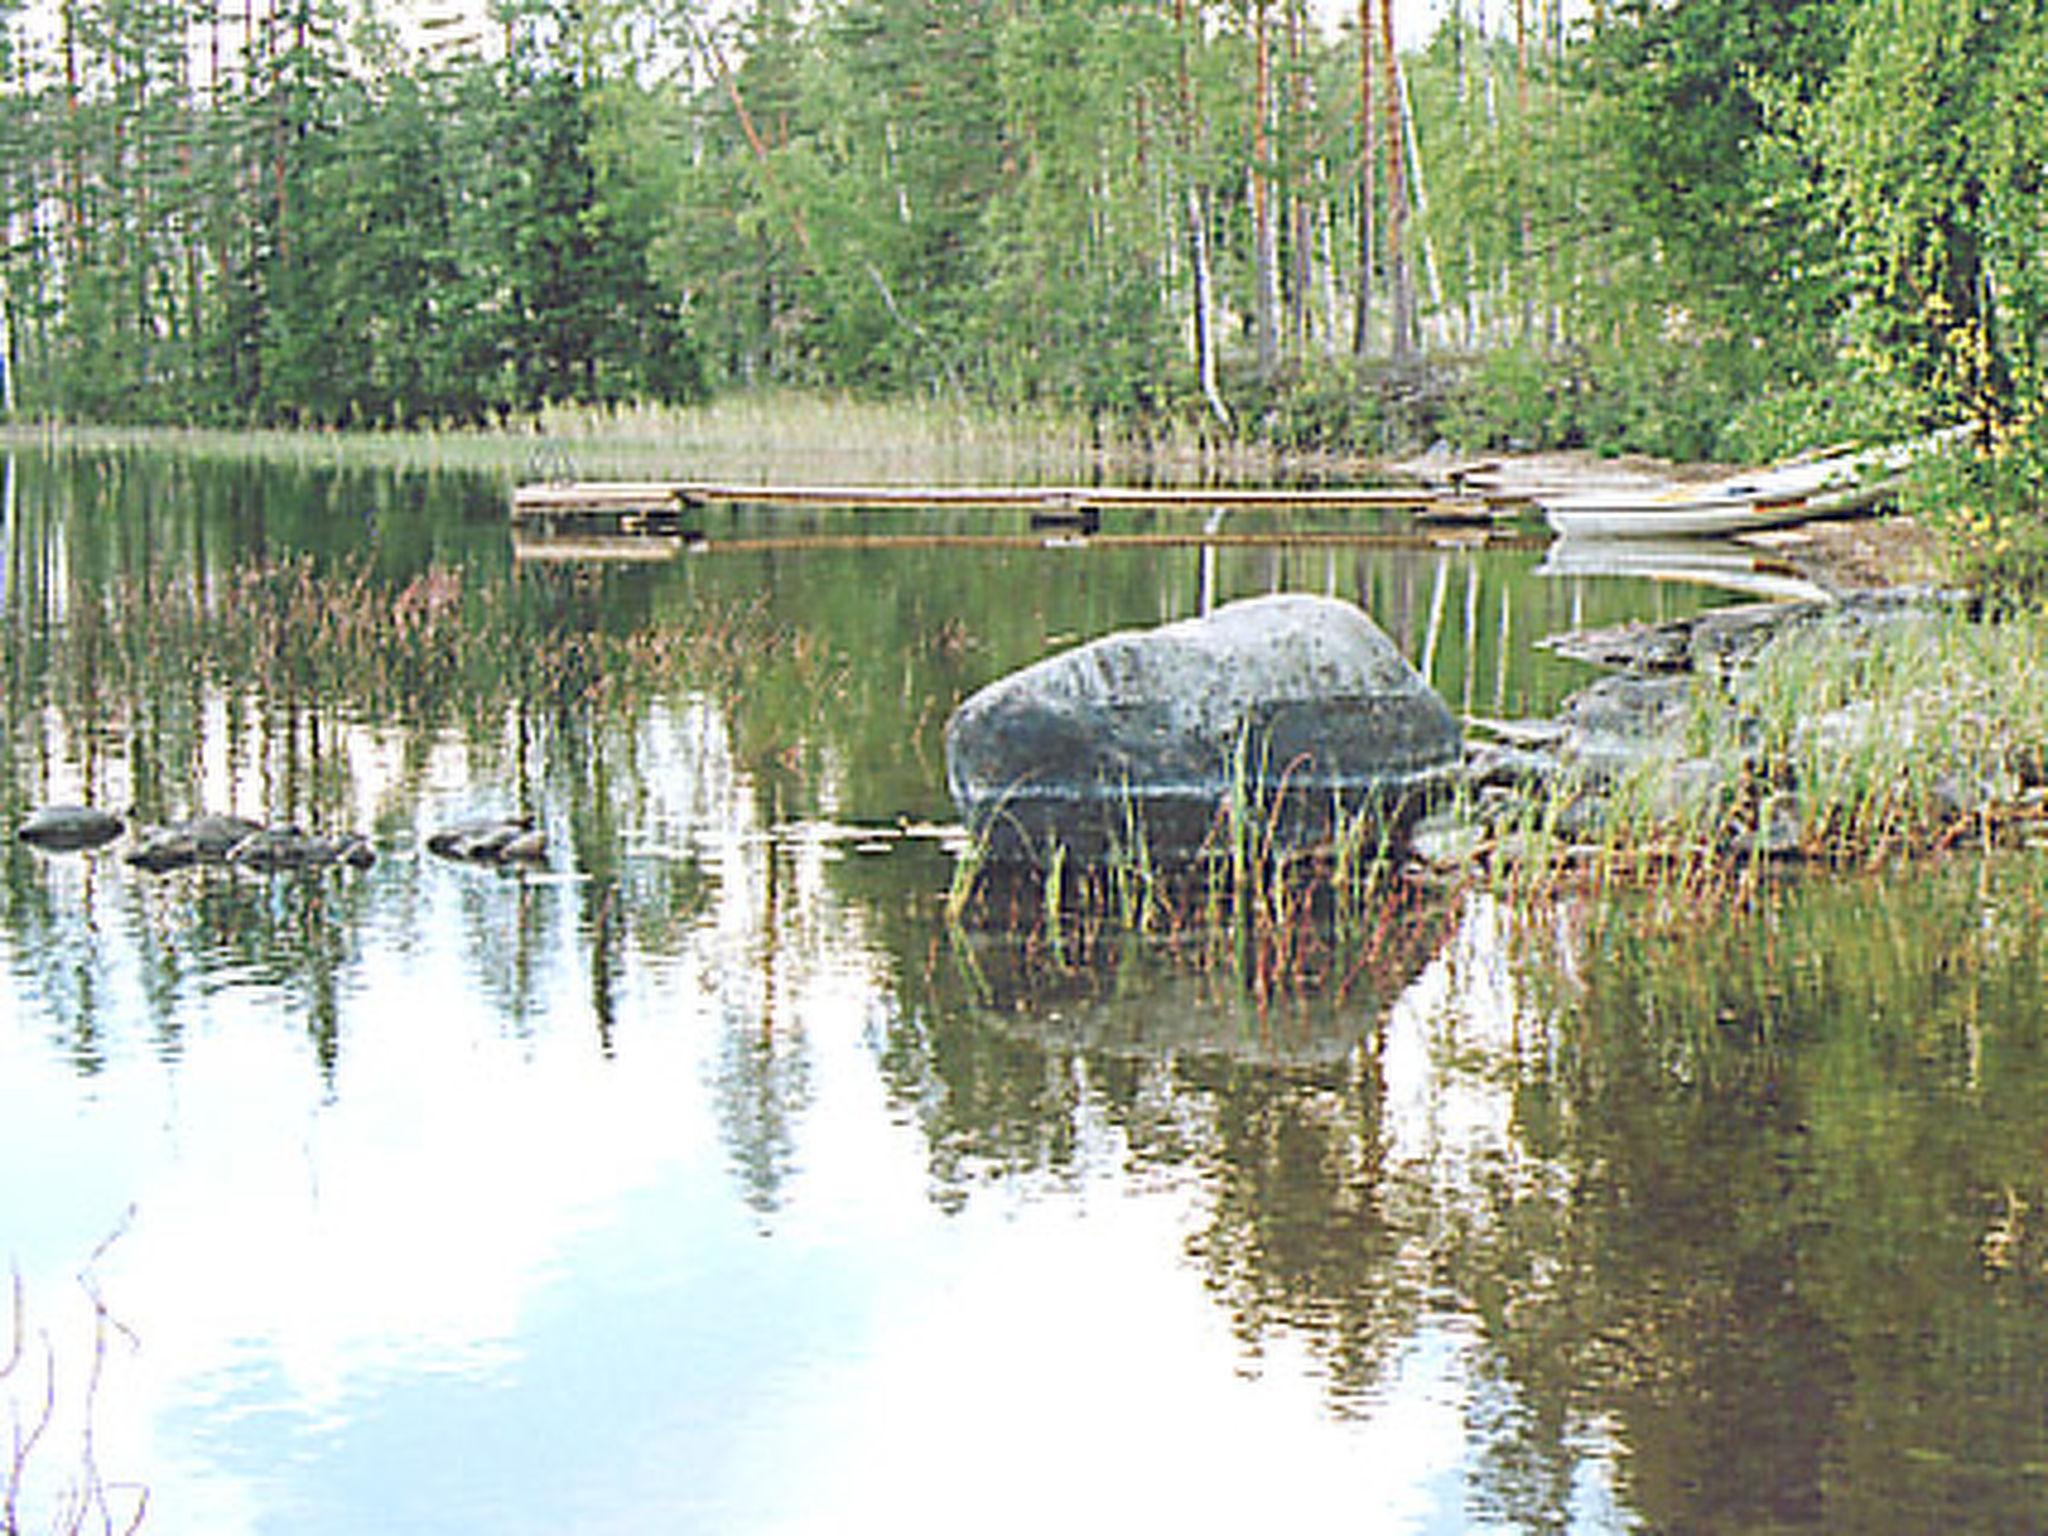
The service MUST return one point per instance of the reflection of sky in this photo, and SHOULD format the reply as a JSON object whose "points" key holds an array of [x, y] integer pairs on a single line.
{"points": [[502, 1282], [506, 1270]]}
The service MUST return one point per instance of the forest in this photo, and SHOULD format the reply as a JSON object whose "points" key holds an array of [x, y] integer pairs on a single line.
{"points": [[1691, 227]]}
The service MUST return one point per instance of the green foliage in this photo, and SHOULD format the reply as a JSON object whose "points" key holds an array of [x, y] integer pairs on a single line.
{"points": [[1688, 107], [1988, 498], [321, 233], [1723, 228], [1932, 138]]}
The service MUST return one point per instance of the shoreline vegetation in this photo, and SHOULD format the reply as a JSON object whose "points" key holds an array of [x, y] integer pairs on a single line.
{"points": [[1830, 746], [886, 439], [1854, 741]]}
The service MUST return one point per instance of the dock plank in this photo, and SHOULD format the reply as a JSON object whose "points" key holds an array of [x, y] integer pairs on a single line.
{"points": [[600, 497]]}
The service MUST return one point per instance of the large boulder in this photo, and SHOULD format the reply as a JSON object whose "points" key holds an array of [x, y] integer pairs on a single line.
{"points": [[1297, 710]]}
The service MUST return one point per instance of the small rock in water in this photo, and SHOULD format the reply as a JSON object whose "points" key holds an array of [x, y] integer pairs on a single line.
{"points": [[69, 828], [201, 840], [288, 848], [491, 840], [160, 848], [529, 847], [213, 838]]}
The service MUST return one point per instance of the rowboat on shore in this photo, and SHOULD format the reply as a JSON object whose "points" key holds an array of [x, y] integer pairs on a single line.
{"points": [[1799, 491]]}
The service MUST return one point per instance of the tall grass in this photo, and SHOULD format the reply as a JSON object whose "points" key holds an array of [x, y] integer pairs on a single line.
{"points": [[433, 651], [1276, 918], [1841, 743], [780, 436]]}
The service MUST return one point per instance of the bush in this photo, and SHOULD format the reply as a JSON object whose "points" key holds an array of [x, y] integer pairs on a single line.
{"points": [[1987, 500]]}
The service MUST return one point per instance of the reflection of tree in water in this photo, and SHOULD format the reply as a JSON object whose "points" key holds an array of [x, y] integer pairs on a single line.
{"points": [[1754, 1221], [762, 1085], [1298, 1237], [1798, 1263], [1276, 1111], [294, 935], [266, 685]]}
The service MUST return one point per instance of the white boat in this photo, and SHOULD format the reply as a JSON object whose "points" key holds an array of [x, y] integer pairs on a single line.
{"points": [[1794, 492]]}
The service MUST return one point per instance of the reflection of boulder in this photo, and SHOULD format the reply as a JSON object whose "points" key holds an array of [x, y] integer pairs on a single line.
{"points": [[1296, 704], [1141, 1003]]}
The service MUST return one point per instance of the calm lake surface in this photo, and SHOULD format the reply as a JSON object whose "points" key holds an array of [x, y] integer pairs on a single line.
{"points": [[700, 1181]]}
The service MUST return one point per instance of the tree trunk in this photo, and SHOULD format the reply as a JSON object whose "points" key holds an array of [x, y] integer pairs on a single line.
{"points": [[1414, 151], [1397, 213], [1368, 140], [1205, 332], [6, 358], [74, 177], [1265, 258], [1202, 301], [1528, 227], [1300, 230]]}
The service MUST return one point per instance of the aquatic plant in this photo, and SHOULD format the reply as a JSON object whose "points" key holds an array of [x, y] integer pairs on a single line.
{"points": [[1275, 918], [807, 434], [81, 1497], [1844, 743], [430, 645]]}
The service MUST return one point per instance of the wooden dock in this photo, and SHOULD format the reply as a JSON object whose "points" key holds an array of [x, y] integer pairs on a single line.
{"points": [[670, 509], [647, 495]]}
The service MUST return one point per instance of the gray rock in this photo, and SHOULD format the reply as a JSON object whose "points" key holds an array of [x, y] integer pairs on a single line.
{"points": [[201, 840], [529, 847], [215, 837], [1724, 640], [1298, 705], [1447, 843], [1634, 646], [68, 828], [1964, 796], [278, 848], [1618, 721], [1777, 833], [1509, 767], [490, 840]]}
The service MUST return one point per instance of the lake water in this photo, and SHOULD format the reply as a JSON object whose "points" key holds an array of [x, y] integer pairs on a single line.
{"points": [[703, 1181]]}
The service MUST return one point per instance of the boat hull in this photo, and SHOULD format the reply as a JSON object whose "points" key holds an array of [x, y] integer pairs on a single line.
{"points": [[1772, 498]]}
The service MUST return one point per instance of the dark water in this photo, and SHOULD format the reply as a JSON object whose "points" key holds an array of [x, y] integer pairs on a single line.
{"points": [[700, 1182]]}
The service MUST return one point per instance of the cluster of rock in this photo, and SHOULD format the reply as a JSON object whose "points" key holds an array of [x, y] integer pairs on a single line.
{"points": [[1297, 711], [1640, 714], [244, 844], [1299, 708], [506, 841], [201, 840]]}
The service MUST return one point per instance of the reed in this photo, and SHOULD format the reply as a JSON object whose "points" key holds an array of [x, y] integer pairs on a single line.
{"points": [[1840, 744], [1276, 919], [427, 651], [781, 435]]}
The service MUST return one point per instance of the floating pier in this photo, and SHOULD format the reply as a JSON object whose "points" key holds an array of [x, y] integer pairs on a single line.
{"points": [[674, 509]]}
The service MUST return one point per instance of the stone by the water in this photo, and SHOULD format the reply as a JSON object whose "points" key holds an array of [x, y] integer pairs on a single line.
{"points": [[491, 840], [205, 839], [278, 848], [69, 828], [1296, 707]]}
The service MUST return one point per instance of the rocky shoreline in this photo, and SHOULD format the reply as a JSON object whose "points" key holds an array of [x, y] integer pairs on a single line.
{"points": [[1885, 718]]}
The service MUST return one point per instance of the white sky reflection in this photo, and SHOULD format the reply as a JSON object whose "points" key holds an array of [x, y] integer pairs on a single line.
{"points": [[491, 1277]]}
